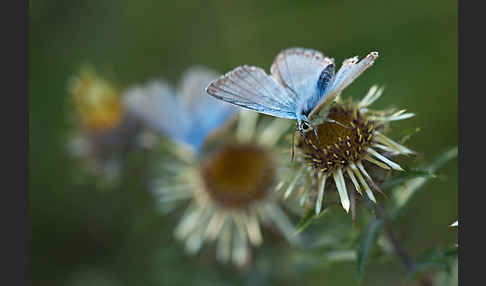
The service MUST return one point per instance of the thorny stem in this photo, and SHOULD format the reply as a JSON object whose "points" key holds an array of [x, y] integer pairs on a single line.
{"points": [[407, 261], [399, 250]]}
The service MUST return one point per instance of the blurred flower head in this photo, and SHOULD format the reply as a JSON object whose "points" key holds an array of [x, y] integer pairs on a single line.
{"points": [[345, 145], [226, 177], [105, 131], [98, 102]]}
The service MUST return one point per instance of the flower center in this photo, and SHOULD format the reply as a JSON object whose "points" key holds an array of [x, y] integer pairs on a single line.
{"points": [[236, 176], [337, 144], [97, 102]]}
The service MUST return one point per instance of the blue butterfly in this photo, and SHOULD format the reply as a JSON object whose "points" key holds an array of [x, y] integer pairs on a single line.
{"points": [[301, 85], [186, 115]]}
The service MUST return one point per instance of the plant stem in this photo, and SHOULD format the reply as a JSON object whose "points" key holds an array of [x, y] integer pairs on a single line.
{"points": [[407, 261]]}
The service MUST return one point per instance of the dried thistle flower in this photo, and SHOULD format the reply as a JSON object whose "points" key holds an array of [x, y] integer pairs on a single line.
{"points": [[105, 130], [226, 176], [352, 137]]}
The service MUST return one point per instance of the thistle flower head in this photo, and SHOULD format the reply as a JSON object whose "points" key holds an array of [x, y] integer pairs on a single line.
{"points": [[97, 101], [226, 169], [105, 130], [238, 175], [230, 188], [340, 147]]}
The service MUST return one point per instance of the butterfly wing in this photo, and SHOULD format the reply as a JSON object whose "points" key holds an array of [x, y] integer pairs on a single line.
{"points": [[156, 105], [300, 71], [250, 87], [192, 86], [349, 71], [206, 112]]}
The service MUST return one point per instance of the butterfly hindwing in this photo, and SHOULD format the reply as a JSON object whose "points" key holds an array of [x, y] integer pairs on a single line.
{"points": [[348, 72], [299, 70], [351, 69]]}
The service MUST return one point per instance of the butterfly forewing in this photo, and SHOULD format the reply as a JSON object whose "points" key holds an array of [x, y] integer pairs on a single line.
{"points": [[251, 88], [156, 105], [206, 112], [192, 84]]}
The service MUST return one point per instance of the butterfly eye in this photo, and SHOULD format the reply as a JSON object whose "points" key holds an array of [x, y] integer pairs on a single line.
{"points": [[305, 126]]}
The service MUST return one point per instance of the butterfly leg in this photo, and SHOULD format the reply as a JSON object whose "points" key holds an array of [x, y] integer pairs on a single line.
{"points": [[293, 147], [317, 135], [337, 122]]}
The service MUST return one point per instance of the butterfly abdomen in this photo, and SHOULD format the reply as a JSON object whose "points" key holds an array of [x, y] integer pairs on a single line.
{"points": [[325, 79], [323, 83]]}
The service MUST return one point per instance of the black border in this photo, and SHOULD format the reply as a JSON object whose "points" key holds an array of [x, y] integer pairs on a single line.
{"points": [[15, 188], [471, 76], [460, 106]]}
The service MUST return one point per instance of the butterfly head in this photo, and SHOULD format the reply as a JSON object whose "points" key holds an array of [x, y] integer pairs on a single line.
{"points": [[304, 126]]}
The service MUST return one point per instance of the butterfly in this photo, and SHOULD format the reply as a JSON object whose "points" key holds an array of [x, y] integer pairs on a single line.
{"points": [[302, 84]]}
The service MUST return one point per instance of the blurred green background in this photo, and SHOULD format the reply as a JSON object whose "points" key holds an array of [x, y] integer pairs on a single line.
{"points": [[85, 235]]}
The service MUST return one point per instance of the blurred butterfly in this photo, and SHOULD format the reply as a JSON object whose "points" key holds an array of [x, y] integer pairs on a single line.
{"points": [[185, 114], [302, 84]]}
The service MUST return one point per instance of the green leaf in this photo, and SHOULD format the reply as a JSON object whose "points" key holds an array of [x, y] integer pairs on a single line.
{"points": [[407, 187], [440, 257], [335, 256], [324, 257], [403, 193], [366, 244], [420, 173], [407, 134], [307, 219], [408, 174]]}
